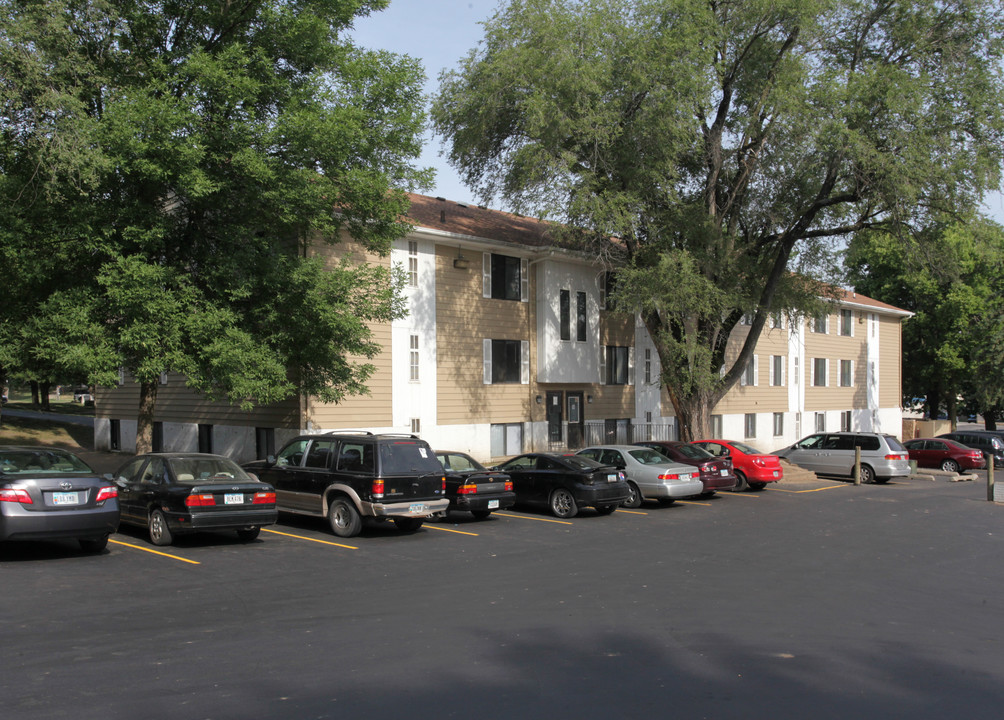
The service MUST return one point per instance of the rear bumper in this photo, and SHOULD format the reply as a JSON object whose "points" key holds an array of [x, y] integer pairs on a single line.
{"points": [[758, 474], [718, 482], [16, 523], [684, 488], [483, 502], [221, 520], [593, 495], [418, 508]]}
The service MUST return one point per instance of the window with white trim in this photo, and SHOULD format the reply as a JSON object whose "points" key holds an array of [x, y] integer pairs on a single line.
{"points": [[778, 424], [580, 317], [845, 421], [648, 366], [751, 373], [820, 422], [413, 357], [777, 368], [820, 370], [819, 323], [505, 277], [506, 362], [847, 323], [565, 314], [716, 426], [749, 425], [846, 373], [412, 263], [617, 365]]}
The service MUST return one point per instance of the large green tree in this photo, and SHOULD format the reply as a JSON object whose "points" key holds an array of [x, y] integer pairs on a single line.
{"points": [[727, 146], [172, 163], [952, 278]]}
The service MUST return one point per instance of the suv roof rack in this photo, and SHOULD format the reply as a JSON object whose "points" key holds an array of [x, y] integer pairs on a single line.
{"points": [[347, 432]]}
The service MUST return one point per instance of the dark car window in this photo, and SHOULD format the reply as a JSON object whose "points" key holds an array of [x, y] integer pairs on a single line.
{"points": [[648, 457], [458, 462], [130, 472], [746, 449], [693, 452], [591, 453], [355, 457], [839, 442], [13, 462], [813, 442], [292, 454], [153, 472], [320, 453], [935, 445], [546, 463], [519, 463], [578, 462], [200, 470], [915, 445], [871, 442], [611, 457], [715, 449], [405, 457]]}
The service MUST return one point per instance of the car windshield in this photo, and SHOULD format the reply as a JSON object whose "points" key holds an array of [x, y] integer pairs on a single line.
{"points": [[406, 458], [199, 471], [747, 449], [33, 462], [649, 457], [580, 462], [693, 452], [459, 463], [893, 443]]}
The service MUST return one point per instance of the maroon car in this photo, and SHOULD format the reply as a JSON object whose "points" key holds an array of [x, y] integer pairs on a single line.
{"points": [[716, 473], [945, 454]]}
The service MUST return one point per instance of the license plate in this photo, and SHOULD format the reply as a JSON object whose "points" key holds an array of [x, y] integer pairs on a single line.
{"points": [[493, 504], [65, 498], [776, 473], [724, 472], [233, 499], [611, 478], [416, 508]]}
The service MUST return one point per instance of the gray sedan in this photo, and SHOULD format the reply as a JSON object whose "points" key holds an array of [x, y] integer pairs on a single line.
{"points": [[650, 475]]}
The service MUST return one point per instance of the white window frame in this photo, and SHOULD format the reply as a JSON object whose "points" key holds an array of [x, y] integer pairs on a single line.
{"points": [[751, 373], [826, 373], [780, 362], [850, 378], [849, 326], [413, 359], [413, 263]]}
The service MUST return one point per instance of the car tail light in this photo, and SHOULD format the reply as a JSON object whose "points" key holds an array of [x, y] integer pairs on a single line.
{"points": [[200, 500], [897, 456], [669, 476], [468, 489], [508, 485], [376, 489], [107, 493], [15, 495], [442, 487], [263, 498]]}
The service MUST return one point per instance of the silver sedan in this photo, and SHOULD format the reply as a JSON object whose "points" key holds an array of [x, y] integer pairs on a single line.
{"points": [[650, 475]]}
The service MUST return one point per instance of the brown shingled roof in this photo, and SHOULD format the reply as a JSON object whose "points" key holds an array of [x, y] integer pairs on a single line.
{"points": [[440, 214]]}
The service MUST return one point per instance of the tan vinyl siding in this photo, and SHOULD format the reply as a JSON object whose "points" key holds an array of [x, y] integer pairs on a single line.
{"points": [[836, 347], [763, 397], [464, 319], [890, 362]]}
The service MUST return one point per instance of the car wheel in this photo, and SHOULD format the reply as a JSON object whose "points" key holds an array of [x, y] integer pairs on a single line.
{"points": [[93, 545], [481, 514], [868, 475], [160, 533], [248, 534], [605, 509], [756, 485], [634, 499], [563, 504], [408, 524], [950, 465], [344, 518], [741, 483]]}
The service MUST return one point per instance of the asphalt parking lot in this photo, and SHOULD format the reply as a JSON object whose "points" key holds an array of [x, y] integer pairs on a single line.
{"points": [[814, 600]]}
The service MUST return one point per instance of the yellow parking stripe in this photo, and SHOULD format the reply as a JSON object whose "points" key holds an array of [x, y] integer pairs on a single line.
{"points": [[692, 502], [459, 532], [828, 487], [302, 537], [630, 512], [155, 552], [527, 517], [742, 495]]}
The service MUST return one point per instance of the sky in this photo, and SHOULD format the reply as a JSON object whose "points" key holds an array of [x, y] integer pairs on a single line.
{"points": [[440, 33]]}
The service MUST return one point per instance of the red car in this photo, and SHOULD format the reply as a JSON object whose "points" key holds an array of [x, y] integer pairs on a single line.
{"points": [[945, 454], [753, 468]]}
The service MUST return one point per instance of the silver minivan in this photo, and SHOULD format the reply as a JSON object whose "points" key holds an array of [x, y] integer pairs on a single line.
{"points": [[882, 456]]}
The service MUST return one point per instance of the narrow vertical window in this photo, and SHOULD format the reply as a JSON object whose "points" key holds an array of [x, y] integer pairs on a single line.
{"points": [[580, 317], [564, 314], [648, 366], [412, 263], [413, 357]]}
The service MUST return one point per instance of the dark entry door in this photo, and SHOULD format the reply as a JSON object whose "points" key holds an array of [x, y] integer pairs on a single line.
{"points": [[554, 417], [576, 421]]}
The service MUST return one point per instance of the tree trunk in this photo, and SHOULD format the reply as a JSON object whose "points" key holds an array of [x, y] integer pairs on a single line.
{"points": [[693, 415], [34, 394], [144, 421], [953, 418], [43, 394], [990, 419]]}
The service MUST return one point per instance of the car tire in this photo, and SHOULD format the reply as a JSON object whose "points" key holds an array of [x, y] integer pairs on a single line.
{"points": [[248, 534], [93, 545], [562, 504], [408, 524], [756, 485], [605, 509], [950, 465], [343, 518], [160, 533], [634, 499], [741, 483], [868, 475], [481, 514]]}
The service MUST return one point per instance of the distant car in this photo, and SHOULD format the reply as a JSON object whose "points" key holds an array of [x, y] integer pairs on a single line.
{"points": [[82, 395], [565, 483], [945, 454], [473, 488], [716, 473], [989, 442], [48, 493], [650, 475], [882, 456], [175, 493], [753, 468]]}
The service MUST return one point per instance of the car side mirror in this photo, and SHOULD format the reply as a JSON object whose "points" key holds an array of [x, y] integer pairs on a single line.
{"points": [[270, 460]]}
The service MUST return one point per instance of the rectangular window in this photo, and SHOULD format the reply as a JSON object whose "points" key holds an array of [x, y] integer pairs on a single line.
{"points": [[716, 426], [606, 292], [820, 422], [778, 424], [264, 440], [777, 370], [617, 365], [819, 324], [506, 439], [416, 426], [413, 358], [205, 438], [845, 421], [749, 425], [115, 442], [819, 372], [847, 323], [846, 373], [776, 320], [749, 376], [506, 282], [412, 263], [157, 441], [648, 366], [580, 317], [506, 361], [565, 314]]}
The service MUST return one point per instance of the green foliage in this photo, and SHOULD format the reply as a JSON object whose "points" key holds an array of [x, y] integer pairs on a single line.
{"points": [[749, 137], [166, 168]]}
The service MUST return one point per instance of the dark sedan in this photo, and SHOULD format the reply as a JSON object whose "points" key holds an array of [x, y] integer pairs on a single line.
{"points": [[945, 454], [716, 473], [473, 488], [48, 494], [174, 493], [565, 483]]}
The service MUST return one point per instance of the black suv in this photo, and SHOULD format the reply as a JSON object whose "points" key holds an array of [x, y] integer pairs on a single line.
{"points": [[988, 441], [346, 476]]}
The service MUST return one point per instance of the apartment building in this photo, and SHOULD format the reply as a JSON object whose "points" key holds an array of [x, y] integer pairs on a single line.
{"points": [[508, 346]]}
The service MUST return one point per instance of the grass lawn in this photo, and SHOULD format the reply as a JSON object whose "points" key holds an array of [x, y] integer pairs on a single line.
{"points": [[29, 431]]}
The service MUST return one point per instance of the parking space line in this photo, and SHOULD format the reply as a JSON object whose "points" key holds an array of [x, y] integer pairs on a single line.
{"points": [[527, 517], [631, 512], [693, 502], [303, 537], [828, 487], [155, 552], [459, 532], [742, 495]]}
